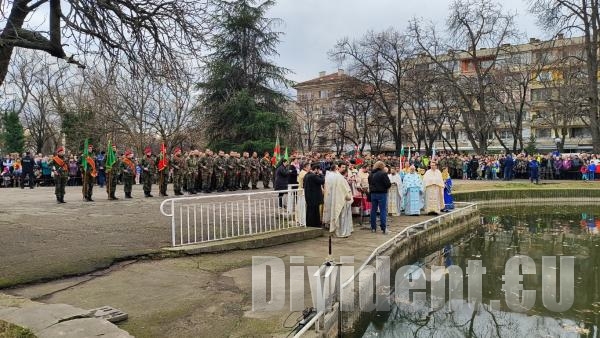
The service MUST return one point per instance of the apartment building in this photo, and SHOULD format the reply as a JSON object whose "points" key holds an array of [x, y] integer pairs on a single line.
{"points": [[549, 97], [552, 75], [315, 102]]}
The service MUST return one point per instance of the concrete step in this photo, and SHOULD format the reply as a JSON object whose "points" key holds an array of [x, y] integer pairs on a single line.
{"points": [[251, 242]]}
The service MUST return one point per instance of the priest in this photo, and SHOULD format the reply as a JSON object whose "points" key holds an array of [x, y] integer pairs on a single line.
{"points": [[434, 189], [337, 210]]}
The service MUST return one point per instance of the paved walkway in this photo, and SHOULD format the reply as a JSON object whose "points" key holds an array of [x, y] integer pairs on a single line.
{"points": [[55, 320], [186, 297], [206, 295]]}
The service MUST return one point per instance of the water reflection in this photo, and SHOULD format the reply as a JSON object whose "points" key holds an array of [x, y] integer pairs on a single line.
{"points": [[507, 232]]}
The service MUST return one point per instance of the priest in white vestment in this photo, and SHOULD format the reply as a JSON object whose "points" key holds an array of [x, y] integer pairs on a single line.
{"points": [[337, 211], [434, 189], [300, 201], [395, 193]]}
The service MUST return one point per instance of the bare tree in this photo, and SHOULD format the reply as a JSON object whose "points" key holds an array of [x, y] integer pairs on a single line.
{"points": [[562, 98], [380, 59], [515, 73], [473, 25], [308, 119], [153, 34], [355, 105], [36, 80], [579, 17]]}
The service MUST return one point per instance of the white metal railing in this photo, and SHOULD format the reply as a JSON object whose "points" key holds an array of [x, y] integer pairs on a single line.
{"points": [[406, 233], [201, 219], [465, 209]]}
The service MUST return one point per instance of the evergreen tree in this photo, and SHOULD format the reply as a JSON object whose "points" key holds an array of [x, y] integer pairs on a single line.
{"points": [[13, 134], [240, 105]]}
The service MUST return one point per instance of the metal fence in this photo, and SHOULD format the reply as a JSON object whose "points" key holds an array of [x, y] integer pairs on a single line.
{"points": [[347, 286], [200, 219]]}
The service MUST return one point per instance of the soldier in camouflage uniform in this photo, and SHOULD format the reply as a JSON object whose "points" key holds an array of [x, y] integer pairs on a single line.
{"points": [[178, 164], [238, 170], [113, 175], [443, 161], [266, 168], [148, 171], [206, 165], [89, 174], [163, 178], [245, 171], [192, 171], [219, 168], [198, 184], [128, 169], [254, 170], [60, 172], [231, 171]]}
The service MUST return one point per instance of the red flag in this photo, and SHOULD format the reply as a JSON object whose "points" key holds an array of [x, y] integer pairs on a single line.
{"points": [[276, 152], [163, 161]]}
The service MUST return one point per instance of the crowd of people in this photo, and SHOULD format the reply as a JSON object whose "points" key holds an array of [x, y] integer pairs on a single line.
{"points": [[327, 193], [196, 171]]}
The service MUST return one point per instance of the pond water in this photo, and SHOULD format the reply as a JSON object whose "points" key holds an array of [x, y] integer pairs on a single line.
{"points": [[505, 233]]}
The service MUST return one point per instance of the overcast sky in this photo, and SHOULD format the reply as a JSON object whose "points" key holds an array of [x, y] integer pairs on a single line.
{"points": [[312, 27]]}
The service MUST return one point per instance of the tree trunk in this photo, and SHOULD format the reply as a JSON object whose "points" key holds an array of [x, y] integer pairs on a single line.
{"points": [[15, 21]]}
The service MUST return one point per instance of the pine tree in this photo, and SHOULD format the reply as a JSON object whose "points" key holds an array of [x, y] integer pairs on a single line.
{"points": [[13, 134], [241, 107]]}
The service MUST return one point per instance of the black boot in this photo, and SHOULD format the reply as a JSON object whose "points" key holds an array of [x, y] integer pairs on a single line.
{"points": [[128, 195], [62, 199], [57, 199]]}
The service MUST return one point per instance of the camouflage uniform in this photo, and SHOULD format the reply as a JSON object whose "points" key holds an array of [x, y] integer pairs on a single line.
{"points": [[245, 172], [206, 165], [89, 177], [61, 175], [238, 172], [178, 164], [254, 171], [443, 163], [219, 167], [148, 171], [231, 173], [192, 172], [266, 169], [128, 169], [113, 175]]}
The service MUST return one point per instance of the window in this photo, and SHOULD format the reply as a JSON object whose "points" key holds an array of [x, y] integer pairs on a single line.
{"points": [[580, 132], [541, 94], [449, 135], [544, 76], [322, 140], [505, 134], [543, 133], [323, 94]]}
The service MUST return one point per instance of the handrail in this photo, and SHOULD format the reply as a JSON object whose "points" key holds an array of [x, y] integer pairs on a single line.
{"points": [[394, 239], [218, 217], [310, 323]]}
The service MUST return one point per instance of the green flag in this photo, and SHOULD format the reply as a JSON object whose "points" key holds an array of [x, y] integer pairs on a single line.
{"points": [[111, 157], [286, 157], [402, 152], [85, 155]]}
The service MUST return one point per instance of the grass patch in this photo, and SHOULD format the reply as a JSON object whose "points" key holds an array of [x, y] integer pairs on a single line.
{"points": [[8, 330]]}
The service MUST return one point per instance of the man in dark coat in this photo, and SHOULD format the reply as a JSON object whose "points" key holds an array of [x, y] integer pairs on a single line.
{"points": [[379, 184], [281, 179], [27, 163], [313, 195]]}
